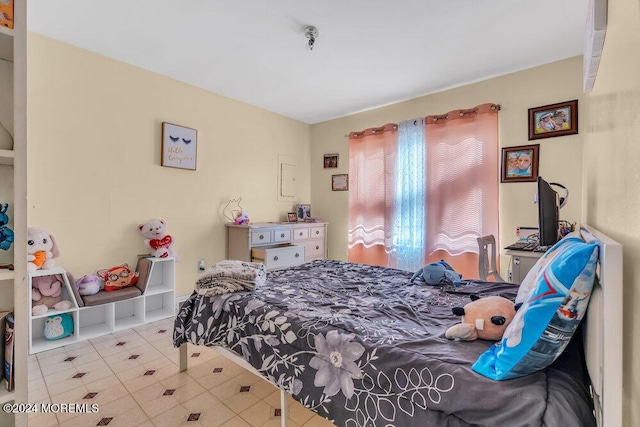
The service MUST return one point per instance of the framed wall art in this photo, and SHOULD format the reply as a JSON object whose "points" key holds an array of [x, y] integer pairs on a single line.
{"points": [[179, 146], [520, 164], [330, 161], [553, 120], [340, 182], [304, 212]]}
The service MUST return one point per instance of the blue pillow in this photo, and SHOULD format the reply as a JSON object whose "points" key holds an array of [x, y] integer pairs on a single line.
{"points": [[551, 313]]}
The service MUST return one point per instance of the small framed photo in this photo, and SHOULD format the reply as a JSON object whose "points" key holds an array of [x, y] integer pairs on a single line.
{"points": [[179, 146], [330, 161], [553, 120], [520, 164], [303, 212], [292, 217], [340, 182]]}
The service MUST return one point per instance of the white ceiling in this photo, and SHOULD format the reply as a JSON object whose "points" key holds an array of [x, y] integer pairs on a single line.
{"points": [[369, 53]]}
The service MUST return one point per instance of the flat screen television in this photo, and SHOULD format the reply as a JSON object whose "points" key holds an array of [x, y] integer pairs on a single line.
{"points": [[548, 213]]}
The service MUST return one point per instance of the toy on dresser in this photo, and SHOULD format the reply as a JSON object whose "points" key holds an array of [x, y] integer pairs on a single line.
{"points": [[156, 240], [41, 249]]}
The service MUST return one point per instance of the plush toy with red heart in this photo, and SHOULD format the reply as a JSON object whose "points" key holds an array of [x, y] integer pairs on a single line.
{"points": [[156, 240]]}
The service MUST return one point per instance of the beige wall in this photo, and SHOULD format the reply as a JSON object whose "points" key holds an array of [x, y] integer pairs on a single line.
{"points": [[611, 173], [560, 157], [94, 160]]}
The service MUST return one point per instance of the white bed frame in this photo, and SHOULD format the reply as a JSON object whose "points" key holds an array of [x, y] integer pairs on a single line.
{"points": [[603, 336]]}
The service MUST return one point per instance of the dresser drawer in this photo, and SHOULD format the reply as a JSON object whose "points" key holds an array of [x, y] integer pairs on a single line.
{"points": [[279, 256], [300, 233], [314, 249], [261, 237], [316, 232], [280, 236]]}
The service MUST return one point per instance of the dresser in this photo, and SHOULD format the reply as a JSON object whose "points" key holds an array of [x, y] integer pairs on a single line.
{"points": [[277, 244]]}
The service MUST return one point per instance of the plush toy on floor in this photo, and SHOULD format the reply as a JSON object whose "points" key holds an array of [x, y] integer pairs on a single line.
{"points": [[157, 241], [46, 293], [41, 249], [484, 318]]}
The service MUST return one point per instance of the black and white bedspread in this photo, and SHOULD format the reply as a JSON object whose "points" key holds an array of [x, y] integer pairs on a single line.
{"points": [[362, 346]]}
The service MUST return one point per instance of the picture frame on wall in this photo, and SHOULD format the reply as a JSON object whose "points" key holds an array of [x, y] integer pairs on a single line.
{"points": [[340, 182], [553, 120], [330, 161], [179, 146], [520, 164], [303, 212]]}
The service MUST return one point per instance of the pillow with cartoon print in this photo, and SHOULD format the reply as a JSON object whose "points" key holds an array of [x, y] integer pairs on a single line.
{"points": [[551, 313]]}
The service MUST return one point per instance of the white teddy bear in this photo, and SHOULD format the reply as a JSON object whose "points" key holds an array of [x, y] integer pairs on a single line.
{"points": [[157, 241]]}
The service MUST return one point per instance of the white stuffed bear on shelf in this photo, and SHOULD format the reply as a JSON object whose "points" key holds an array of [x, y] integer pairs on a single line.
{"points": [[157, 241], [41, 249]]}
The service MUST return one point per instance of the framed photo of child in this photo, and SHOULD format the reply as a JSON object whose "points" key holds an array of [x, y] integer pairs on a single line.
{"points": [[520, 164]]}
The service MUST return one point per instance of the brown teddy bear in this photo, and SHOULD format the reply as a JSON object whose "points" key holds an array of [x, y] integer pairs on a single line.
{"points": [[484, 318]]}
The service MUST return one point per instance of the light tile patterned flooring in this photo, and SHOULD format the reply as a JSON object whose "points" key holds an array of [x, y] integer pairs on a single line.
{"points": [[134, 378]]}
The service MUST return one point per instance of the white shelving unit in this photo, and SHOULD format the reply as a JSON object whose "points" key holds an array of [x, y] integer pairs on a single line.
{"points": [[156, 303], [13, 190]]}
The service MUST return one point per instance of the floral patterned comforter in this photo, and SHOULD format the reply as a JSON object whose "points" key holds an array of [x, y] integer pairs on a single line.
{"points": [[362, 346]]}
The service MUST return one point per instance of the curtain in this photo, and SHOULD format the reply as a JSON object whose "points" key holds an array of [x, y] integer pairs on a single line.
{"points": [[409, 200], [462, 186], [371, 192]]}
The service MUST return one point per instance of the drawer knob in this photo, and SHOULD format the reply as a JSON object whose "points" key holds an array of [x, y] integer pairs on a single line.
{"points": [[301, 233], [282, 235], [275, 258], [261, 236], [317, 231], [317, 247], [297, 255], [516, 261]]}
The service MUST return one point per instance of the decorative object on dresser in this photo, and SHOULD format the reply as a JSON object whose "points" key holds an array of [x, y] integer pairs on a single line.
{"points": [[553, 120], [330, 161], [277, 245], [340, 182], [520, 164], [292, 217], [179, 146], [304, 212]]}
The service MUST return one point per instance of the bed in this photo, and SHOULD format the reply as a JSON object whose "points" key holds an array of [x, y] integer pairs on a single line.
{"points": [[362, 347]]}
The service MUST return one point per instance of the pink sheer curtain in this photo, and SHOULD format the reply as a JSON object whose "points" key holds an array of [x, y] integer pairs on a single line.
{"points": [[462, 184], [371, 192]]}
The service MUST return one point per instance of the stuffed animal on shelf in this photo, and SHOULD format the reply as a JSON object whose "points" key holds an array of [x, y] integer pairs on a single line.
{"points": [[46, 293], [6, 234], [41, 249], [485, 318], [156, 240], [58, 326], [118, 277], [89, 284]]}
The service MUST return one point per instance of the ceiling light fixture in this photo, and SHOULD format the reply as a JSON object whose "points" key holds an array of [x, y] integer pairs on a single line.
{"points": [[311, 33]]}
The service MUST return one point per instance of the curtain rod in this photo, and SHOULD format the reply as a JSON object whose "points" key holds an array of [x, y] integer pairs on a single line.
{"points": [[434, 118]]}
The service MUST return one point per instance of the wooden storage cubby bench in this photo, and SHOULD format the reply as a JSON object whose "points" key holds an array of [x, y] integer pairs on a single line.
{"points": [[156, 301]]}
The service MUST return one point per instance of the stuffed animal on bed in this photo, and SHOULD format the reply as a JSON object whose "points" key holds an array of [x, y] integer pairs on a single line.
{"points": [[437, 273], [485, 318], [41, 249], [156, 240], [46, 293]]}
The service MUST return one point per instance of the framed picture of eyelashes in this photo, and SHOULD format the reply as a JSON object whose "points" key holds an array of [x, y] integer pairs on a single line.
{"points": [[179, 146]]}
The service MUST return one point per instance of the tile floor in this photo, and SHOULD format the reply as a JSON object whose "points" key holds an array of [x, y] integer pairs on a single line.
{"points": [[133, 377]]}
